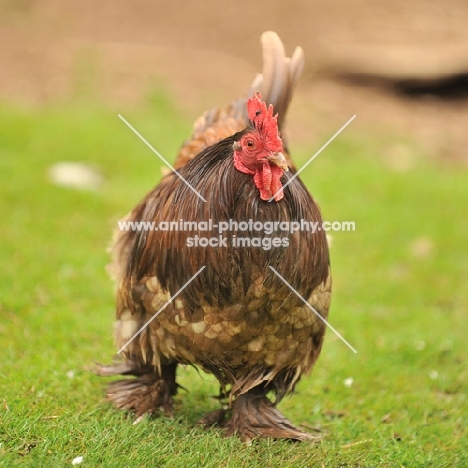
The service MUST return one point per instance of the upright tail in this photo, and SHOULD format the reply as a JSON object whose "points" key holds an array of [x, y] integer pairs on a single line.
{"points": [[276, 83], [280, 74]]}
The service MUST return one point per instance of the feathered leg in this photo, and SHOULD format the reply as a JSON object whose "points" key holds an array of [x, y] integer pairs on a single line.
{"points": [[150, 392], [254, 415]]}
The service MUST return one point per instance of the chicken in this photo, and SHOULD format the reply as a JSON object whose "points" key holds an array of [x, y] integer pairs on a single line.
{"points": [[232, 309]]}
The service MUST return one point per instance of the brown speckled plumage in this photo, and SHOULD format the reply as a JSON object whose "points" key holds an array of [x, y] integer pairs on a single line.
{"points": [[237, 319]]}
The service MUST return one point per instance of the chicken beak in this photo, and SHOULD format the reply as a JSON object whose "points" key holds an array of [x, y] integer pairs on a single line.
{"points": [[279, 160]]}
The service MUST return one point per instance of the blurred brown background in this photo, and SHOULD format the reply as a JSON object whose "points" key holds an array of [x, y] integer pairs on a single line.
{"points": [[401, 66]]}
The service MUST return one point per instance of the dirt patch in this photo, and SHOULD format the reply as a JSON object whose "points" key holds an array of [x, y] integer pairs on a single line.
{"points": [[361, 58]]}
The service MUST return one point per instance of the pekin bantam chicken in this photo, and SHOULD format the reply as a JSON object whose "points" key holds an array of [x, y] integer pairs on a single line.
{"points": [[231, 308]]}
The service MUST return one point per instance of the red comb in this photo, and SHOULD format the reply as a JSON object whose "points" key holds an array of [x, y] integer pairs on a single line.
{"points": [[264, 121]]}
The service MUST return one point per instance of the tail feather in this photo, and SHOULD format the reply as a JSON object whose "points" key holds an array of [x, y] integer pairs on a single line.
{"points": [[280, 74], [276, 83]]}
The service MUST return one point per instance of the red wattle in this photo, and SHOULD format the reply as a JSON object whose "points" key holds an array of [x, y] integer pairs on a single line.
{"points": [[267, 180]]}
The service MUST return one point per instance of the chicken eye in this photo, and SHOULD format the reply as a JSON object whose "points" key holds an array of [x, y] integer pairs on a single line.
{"points": [[250, 143]]}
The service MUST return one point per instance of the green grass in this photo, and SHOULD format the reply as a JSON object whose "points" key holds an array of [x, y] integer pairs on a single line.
{"points": [[405, 313]]}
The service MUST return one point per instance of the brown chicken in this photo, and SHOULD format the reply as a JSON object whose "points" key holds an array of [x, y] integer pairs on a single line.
{"points": [[232, 309]]}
